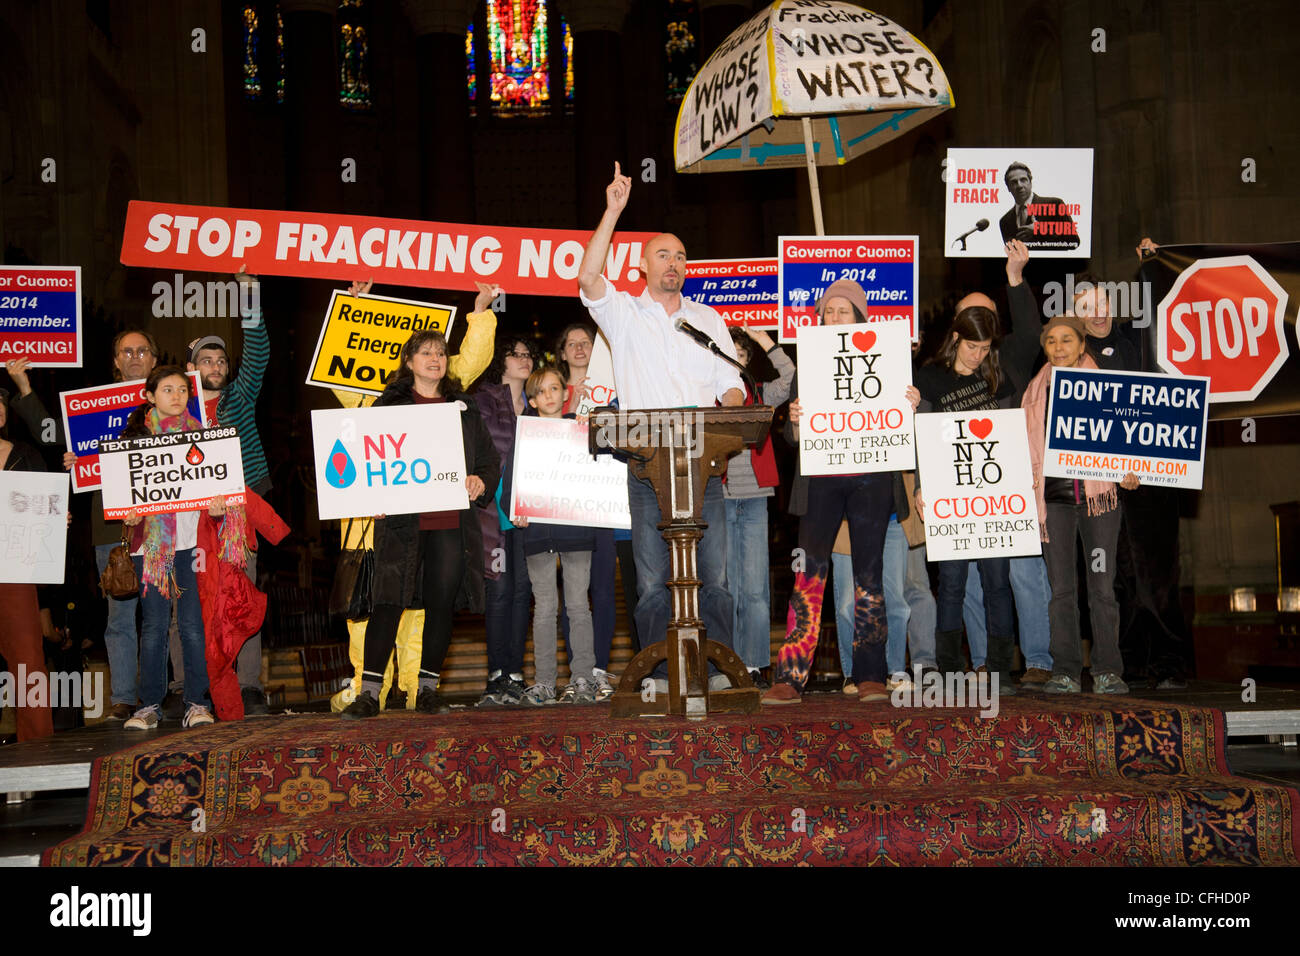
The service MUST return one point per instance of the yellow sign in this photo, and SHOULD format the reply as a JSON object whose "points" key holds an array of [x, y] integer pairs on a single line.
{"points": [[362, 338]]}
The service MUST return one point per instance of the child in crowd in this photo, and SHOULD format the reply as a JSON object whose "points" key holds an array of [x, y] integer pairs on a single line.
{"points": [[574, 546]]}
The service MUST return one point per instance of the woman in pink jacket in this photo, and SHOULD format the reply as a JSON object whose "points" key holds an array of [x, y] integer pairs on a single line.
{"points": [[1068, 509]]}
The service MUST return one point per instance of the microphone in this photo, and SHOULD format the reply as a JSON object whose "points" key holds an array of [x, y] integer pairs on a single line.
{"points": [[681, 325], [978, 227]]}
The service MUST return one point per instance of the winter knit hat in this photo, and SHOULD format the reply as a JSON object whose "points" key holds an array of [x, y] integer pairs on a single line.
{"points": [[1067, 319], [845, 289]]}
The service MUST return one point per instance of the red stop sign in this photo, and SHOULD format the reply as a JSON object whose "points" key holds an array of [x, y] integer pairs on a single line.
{"points": [[1223, 319]]}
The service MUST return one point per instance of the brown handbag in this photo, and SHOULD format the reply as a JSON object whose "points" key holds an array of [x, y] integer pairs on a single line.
{"points": [[119, 579]]}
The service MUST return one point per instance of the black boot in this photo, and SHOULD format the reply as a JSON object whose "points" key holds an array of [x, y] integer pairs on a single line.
{"points": [[947, 651], [1000, 652]]}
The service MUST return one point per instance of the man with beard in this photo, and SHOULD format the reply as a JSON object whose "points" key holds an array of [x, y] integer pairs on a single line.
{"points": [[234, 402], [135, 353], [656, 366]]}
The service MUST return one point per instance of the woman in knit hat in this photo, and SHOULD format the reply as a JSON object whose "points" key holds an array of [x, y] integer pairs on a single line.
{"points": [[1068, 509]]}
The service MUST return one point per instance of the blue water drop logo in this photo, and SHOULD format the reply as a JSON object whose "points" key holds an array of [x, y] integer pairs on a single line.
{"points": [[339, 470]]}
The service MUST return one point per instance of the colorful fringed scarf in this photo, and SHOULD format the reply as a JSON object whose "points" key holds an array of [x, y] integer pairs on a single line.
{"points": [[160, 530]]}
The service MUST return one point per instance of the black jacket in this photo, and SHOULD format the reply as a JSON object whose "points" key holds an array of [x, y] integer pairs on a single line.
{"points": [[397, 537]]}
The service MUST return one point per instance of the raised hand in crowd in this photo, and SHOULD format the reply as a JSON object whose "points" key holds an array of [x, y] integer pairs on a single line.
{"points": [[17, 369], [1017, 256], [761, 338], [487, 291], [361, 288], [132, 518], [1146, 248], [618, 191]]}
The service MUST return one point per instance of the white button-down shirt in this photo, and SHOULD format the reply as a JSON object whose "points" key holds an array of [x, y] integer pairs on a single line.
{"points": [[656, 366]]}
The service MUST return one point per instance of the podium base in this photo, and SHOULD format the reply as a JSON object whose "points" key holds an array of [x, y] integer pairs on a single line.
{"points": [[686, 651]]}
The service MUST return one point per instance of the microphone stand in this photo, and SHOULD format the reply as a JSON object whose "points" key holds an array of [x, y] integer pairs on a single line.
{"points": [[744, 372]]}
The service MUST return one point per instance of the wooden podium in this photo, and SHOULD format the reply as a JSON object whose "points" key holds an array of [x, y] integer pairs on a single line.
{"points": [[677, 450]]}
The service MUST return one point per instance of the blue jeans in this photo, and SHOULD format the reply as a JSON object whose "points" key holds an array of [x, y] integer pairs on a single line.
{"points": [[120, 636], [909, 605], [953, 592], [747, 580], [604, 562], [650, 552], [506, 608], [1032, 593], [153, 637]]}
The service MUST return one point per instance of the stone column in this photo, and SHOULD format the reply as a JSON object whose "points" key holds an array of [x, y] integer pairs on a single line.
{"points": [[600, 110]]}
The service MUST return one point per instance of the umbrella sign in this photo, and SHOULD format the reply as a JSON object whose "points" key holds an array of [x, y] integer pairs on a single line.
{"points": [[863, 78]]}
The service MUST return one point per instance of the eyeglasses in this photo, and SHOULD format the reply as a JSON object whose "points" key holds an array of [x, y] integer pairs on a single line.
{"points": [[520, 355], [136, 353]]}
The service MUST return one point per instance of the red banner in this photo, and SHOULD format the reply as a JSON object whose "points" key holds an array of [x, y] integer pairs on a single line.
{"points": [[405, 252]]}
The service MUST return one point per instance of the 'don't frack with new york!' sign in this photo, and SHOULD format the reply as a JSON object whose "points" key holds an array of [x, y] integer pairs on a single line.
{"points": [[977, 485], [390, 460], [361, 339], [172, 472]]}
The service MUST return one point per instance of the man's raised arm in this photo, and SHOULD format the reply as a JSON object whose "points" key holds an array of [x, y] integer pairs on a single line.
{"points": [[593, 258]]}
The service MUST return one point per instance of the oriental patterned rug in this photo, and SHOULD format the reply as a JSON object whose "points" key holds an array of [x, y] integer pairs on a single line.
{"points": [[827, 782]]}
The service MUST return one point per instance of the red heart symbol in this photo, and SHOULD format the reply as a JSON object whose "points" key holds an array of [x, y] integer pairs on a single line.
{"points": [[340, 461], [980, 427], [862, 341]]}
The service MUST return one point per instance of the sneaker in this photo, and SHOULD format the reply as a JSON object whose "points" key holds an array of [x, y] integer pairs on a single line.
{"points": [[899, 682], [781, 693], [427, 701], [120, 712], [1108, 684], [1061, 684], [492, 693], [364, 706], [759, 680], [146, 718], [254, 701], [848, 688], [196, 715], [719, 682], [871, 690], [1172, 683], [512, 691], [539, 695], [605, 685], [1035, 677], [579, 691]]}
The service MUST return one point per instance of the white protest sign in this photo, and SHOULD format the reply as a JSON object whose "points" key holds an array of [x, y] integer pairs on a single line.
{"points": [[393, 460], [33, 527], [557, 481], [1041, 196], [861, 78], [977, 485], [177, 471], [853, 381], [600, 377]]}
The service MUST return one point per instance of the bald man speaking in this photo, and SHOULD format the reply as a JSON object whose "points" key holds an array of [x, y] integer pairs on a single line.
{"points": [[658, 366]]}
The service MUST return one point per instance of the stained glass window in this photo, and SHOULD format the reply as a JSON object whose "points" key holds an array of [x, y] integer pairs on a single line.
{"points": [[252, 74], [279, 54], [568, 62], [471, 68], [519, 51], [354, 56], [681, 27]]}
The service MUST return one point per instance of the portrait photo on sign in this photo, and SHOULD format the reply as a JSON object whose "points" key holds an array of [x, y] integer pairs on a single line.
{"points": [[1043, 197]]}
